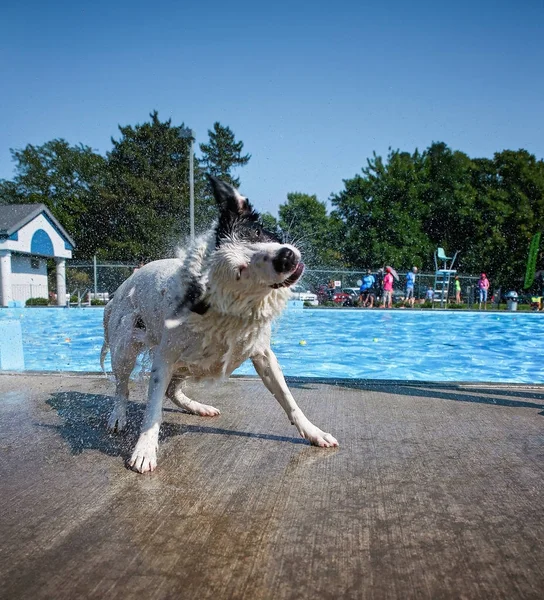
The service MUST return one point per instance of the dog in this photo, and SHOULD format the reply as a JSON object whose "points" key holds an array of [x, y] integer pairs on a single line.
{"points": [[201, 315]]}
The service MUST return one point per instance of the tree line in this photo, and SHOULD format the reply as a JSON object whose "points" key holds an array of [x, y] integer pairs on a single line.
{"points": [[398, 210], [133, 203]]}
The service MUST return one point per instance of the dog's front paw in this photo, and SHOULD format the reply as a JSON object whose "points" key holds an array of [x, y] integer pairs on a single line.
{"points": [[144, 457], [316, 437]]}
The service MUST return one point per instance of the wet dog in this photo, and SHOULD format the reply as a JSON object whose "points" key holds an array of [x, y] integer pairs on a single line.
{"points": [[202, 315]]}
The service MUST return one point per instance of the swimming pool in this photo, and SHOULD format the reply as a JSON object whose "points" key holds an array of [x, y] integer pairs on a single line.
{"points": [[396, 345]]}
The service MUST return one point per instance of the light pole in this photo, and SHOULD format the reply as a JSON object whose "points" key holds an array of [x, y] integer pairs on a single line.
{"points": [[187, 133]]}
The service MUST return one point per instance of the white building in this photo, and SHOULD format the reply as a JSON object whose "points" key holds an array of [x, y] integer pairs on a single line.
{"points": [[29, 235]]}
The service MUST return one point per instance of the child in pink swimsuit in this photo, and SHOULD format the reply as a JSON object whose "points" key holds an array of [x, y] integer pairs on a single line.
{"points": [[483, 286], [387, 289]]}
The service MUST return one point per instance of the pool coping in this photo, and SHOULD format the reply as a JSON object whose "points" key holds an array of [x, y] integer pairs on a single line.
{"points": [[354, 382]]}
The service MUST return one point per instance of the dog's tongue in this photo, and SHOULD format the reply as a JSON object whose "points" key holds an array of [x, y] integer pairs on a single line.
{"points": [[296, 274], [293, 278]]}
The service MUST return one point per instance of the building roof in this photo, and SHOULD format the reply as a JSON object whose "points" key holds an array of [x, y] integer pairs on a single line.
{"points": [[15, 216]]}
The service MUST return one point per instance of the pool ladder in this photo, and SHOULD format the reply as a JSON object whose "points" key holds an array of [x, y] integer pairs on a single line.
{"points": [[442, 280]]}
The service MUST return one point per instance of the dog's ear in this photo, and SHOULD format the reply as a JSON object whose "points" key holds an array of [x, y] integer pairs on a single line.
{"points": [[228, 198]]}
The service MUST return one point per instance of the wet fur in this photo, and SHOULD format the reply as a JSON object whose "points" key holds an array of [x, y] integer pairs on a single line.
{"points": [[202, 315]]}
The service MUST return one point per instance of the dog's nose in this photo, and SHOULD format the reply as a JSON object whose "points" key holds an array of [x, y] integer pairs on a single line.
{"points": [[285, 260]]}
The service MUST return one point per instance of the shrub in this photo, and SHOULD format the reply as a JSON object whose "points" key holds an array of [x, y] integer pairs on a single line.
{"points": [[97, 302], [37, 302]]}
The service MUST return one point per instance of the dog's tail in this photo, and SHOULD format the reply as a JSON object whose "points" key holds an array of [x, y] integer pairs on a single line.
{"points": [[106, 344], [103, 354]]}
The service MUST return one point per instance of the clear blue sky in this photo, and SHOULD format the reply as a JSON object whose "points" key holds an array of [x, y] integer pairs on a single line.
{"points": [[311, 88]]}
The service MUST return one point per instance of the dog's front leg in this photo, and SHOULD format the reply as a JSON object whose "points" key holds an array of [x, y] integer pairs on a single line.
{"points": [[266, 365], [144, 457]]}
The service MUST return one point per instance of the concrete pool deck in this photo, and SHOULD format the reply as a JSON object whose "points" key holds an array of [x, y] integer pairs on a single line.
{"points": [[436, 491]]}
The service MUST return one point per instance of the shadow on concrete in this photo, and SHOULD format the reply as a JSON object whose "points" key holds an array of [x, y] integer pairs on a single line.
{"points": [[497, 395], [85, 419]]}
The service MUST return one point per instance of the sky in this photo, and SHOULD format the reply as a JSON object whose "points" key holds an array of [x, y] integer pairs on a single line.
{"points": [[311, 88]]}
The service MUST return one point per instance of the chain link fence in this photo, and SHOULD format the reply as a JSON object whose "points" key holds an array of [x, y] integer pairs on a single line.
{"points": [[97, 280], [315, 280], [104, 277]]}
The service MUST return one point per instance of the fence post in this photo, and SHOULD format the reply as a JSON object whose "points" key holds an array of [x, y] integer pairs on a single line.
{"points": [[95, 277], [470, 296]]}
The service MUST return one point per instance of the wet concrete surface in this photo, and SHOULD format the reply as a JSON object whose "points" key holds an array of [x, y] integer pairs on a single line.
{"points": [[435, 492]]}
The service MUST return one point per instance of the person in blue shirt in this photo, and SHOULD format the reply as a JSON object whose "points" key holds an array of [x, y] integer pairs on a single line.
{"points": [[367, 292], [410, 283]]}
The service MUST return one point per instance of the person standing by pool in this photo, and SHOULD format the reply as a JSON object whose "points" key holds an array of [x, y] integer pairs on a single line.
{"points": [[429, 294], [483, 286], [367, 293], [410, 283], [457, 285], [387, 301]]}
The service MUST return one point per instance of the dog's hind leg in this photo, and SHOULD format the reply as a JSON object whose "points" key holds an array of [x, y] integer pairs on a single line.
{"points": [[118, 416], [123, 358], [175, 393]]}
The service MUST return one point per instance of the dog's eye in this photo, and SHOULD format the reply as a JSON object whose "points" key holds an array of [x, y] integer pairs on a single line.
{"points": [[255, 232]]}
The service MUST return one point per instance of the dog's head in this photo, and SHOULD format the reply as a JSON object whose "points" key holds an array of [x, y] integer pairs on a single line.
{"points": [[247, 257]]}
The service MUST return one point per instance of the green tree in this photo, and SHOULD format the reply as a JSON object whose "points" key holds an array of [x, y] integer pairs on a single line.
{"points": [[222, 154], [143, 208], [448, 198], [9, 193], [305, 222], [270, 223], [381, 213], [508, 211], [400, 210]]}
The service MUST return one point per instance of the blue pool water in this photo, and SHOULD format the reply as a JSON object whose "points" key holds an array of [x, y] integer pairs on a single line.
{"points": [[397, 345]]}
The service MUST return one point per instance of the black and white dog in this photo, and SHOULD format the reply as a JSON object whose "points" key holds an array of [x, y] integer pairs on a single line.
{"points": [[201, 315]]}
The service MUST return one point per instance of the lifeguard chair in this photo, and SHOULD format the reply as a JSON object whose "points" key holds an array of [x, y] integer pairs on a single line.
{"points": [[443, 274]]}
